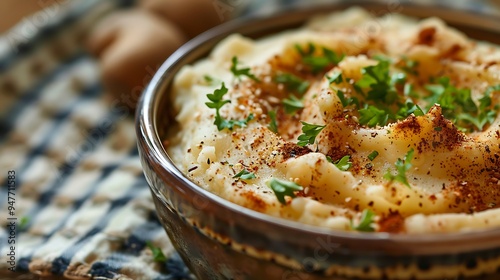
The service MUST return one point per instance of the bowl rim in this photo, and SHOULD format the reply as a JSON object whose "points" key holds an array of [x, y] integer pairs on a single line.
{"points": [[149, 139]]}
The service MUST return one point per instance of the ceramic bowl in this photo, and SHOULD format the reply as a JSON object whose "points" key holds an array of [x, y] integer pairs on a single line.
{"points": [[220, 240]]}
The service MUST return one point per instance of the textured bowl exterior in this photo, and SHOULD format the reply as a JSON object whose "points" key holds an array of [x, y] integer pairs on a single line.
{"points": [[221, 240]]}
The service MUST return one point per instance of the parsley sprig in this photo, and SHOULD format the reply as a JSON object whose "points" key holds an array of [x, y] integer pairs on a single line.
{"points": [[309, 133], [216, 102], [318, 62], [366, 222], [383, 103], [239, 72], [458, 105], [402, 166], [373, 116], [379, 83], [282, 188]]}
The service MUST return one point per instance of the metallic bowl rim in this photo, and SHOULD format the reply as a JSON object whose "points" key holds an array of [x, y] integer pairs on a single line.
{"points": [[147, 132]]}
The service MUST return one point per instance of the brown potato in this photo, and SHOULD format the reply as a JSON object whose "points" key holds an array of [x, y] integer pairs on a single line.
{"points": [[131, 45], [192, 16]]}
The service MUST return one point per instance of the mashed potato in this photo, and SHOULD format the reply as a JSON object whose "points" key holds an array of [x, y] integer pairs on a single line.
{"points": [[350, 122]]}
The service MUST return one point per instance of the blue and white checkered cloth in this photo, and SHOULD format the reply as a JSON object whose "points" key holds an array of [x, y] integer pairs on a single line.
{"points": [[80, 203]]}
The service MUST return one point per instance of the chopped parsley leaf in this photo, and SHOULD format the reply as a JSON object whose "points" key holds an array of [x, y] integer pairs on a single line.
{"points": [[398, 79], [216, 103], [158, 255], [245, 175], [245, 71], [23, 222], [349, 101], [318, 63], [372, 155], [292, 104], [459, 107], [366, 222], [343, 164], [211, 80], [408, 91], [379, 83], [282, 188], [378, 86], [409, 66], [329, 159], [309, 133], [273, 125], [409, 108], [372, 116], [336, 78], [230, 124], [401, 167], [381, 57], [292, 82]]}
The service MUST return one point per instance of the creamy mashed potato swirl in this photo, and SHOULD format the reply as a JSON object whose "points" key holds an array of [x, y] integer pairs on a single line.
{"points": [[433, 166]]}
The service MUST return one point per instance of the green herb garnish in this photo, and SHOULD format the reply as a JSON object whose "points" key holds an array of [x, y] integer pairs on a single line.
{"points": [[381, 57], [23, 222], [329, 159], [216, 98], [245, 175], [292, 104], [401, 167], [409, 108], [459, 107], [282, 188], [245, 71], [318, 63], [273, 125], [372, 155], [372, 116], [347, 101], [309, 133], [379, 83], [230, 124], [409, 66], [216, 103], [366, 222], [486, 114], [292, 82], [344, 163], [336, 78], [379, 88], [408, 91], [211, 80], [158, 255]]}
